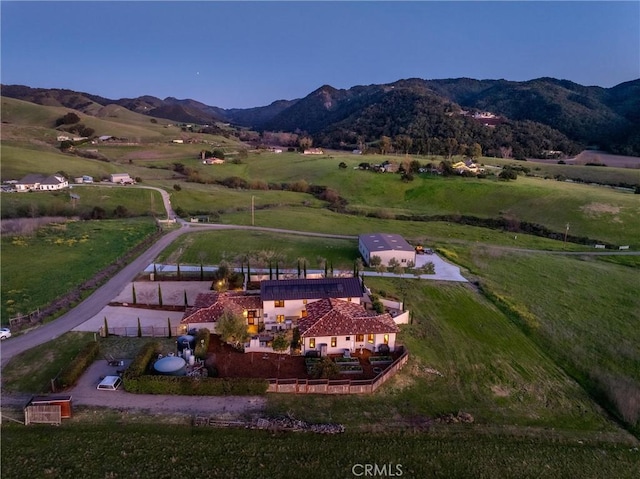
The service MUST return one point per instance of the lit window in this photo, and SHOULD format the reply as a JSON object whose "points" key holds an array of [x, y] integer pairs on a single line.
{"points": [[371, 338], [360, 338], [334, 341], [303, 313], [386, 339], [279, 303], [312, 343], [304, 301], [280, 318]]}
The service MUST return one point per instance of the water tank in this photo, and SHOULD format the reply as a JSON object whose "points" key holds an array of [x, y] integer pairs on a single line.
{"points": [[186, 341], [171, 366]]}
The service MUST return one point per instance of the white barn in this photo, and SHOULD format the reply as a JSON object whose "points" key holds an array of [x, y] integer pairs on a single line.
{"points": [[386, 246]]}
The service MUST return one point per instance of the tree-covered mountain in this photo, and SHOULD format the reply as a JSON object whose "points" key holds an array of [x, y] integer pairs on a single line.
{"points": [[532, 118]]}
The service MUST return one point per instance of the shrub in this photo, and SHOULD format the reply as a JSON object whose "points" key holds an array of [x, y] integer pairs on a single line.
{"points": [[70, 375], [188, 386], [202, 343]]}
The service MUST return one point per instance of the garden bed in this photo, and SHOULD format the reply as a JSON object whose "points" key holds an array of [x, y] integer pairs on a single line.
{"points": [[380, 359]]}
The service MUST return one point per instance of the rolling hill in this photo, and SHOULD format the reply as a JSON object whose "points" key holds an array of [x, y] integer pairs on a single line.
{"points": [[529, 119]]}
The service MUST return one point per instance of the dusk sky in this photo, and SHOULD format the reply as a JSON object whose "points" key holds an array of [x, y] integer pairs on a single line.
{"points": [[246, 54]]}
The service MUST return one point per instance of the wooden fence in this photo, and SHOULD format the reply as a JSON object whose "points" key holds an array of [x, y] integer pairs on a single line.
{"points": [[43, 414], [337, 386]]}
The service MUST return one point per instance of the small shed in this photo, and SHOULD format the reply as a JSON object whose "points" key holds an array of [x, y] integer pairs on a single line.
{"points": [[47, 409]]}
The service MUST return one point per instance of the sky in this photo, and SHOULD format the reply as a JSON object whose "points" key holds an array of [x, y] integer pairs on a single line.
{"points": [[241, 54]]}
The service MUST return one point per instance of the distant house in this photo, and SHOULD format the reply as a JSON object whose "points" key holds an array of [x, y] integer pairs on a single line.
{"points": [[177, 141], [332, 325], [38, 182], [386, 246], [468, 166], [209, 307], [313, 151], [285, 301], [213, 161], [121, 178]]}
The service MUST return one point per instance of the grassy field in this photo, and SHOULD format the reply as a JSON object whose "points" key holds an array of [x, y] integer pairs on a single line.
{"points": [[137, 201], [113, 450], [74, 253]]}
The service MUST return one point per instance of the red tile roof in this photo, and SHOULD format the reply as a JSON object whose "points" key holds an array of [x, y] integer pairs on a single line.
{"points": [[334, 317], [208, 307]]}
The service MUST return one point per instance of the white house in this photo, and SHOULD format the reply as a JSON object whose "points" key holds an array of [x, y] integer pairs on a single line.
{"points": [[332, 325], [386, 246], [285, 301], [38, 182]]}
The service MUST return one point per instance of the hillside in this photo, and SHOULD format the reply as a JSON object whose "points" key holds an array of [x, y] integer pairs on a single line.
{"points": [[535, 118]]}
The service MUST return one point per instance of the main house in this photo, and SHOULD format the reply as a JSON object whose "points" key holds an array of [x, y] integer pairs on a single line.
{"points": [[38, 182], [328, 312], [386, 246]]}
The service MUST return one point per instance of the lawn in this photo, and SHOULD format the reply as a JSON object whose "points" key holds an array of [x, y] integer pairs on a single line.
{"points": [[74, 252]]}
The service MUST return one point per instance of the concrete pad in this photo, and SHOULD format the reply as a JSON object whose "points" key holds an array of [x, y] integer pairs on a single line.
{"points": [[172, 292], [125, 317]]}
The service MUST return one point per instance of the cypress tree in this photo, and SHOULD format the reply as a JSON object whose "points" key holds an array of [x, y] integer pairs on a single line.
{"points": [[159, 295], [133, 294], [179, 275], [169, 327], [139, 329], [186, 302], [201, 272], [106, 328]]}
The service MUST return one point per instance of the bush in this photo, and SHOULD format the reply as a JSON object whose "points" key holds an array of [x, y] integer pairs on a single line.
{"points": [[70, 375], [202, 343]]}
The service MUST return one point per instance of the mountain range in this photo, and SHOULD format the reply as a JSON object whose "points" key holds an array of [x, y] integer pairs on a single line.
{"points": [[529, 118]]}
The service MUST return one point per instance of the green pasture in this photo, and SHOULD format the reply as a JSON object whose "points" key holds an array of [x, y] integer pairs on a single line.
{"points": [[465, 355], [211, 247], [112, 449], [40, 268], [137, 201]]}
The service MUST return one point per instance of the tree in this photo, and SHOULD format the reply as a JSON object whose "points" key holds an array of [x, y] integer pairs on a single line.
{"points": [[139, 328], [375, 260], [326, 369], [280, 343], [385, 144], [106, 328], [186, 301], [169, 334], [342, 165], [475, 151], [159, 295], [305, 142], [232, 329], [134, 299], [68, 119]]}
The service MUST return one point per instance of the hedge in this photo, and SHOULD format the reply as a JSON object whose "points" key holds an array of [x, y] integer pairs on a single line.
{"points": [[140, 363], [69, 376], [193, 386]]}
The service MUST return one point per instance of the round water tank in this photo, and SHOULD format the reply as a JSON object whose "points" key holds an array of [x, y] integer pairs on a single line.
{"points": [[192, 360], [171, 366]]}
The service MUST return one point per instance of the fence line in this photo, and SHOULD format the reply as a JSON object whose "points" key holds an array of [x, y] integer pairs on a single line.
{"points": [[146, 331], [337, 386]]}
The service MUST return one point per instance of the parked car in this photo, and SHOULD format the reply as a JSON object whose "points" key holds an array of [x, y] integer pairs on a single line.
{"points": [[5, 333]]}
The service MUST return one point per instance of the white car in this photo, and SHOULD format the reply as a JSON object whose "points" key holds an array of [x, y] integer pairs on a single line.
{"points": [[5, 333]]}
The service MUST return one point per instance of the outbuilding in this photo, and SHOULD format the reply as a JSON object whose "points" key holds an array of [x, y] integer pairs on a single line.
{"points": [[386, 246]]}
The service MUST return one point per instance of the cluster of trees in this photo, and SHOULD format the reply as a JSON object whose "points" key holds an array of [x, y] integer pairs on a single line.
{"points": [[71, 124]]}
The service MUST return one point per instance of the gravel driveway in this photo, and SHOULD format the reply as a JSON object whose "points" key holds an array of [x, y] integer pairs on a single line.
{"points": [[86, 394]]}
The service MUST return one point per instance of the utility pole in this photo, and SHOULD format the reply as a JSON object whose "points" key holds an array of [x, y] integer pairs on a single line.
{"points": [[253, 211]]}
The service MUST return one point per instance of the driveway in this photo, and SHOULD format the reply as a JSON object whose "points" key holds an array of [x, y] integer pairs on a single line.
{"points": [[86, 394]]}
